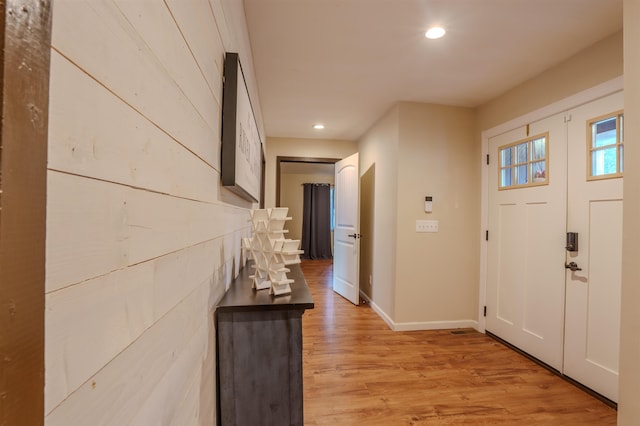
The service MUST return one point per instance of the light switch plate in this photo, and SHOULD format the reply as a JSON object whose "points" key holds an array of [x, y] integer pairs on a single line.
{"points": [[427, 225]]}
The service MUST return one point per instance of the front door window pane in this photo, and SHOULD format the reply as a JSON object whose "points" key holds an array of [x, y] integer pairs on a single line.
{"points": [[507, 177], [522, 153], [539, 149], [538, 171], [507, 157], [604, 132], [604, 162], [606, 150], [524, 163], [523, 177]]}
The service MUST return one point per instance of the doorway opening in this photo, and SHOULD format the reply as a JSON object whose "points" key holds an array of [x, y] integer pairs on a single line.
{"points": [[291, 175]]}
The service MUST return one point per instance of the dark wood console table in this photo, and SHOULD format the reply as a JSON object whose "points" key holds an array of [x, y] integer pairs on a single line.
{"points": [[259, 353]]}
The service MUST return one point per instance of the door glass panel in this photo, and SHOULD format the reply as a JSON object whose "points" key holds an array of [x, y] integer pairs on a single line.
{"points": [[604, 132], [507, 177], [521, 172], [538, 171], [604, 161], [507, 157], [522, 153], [539, 150], [523, 163], [605, 146]]}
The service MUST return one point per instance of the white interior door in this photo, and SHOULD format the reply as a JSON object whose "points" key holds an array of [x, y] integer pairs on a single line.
{"points": [[592, 338], [346, 237], [525, 249]]}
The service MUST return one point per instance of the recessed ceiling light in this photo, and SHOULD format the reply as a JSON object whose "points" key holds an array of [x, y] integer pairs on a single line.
{"points": [[435, 32], [318, 126]]}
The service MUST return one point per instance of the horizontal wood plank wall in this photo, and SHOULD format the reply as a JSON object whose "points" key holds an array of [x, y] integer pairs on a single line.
{"points": [[142, 240]]}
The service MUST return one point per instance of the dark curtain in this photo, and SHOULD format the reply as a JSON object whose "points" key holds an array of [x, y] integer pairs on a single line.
{"points": [[316, 221]]}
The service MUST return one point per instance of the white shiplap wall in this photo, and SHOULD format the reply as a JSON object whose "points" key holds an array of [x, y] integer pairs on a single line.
{"points": [[141, 238]]}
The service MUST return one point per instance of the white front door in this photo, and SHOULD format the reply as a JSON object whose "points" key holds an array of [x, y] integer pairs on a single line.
{"points": [[595, 212], [561, 306], [525, 252], [346, 237]]}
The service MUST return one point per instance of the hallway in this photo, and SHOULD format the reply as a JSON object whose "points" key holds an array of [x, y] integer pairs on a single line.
{"points": [[357, 371]]}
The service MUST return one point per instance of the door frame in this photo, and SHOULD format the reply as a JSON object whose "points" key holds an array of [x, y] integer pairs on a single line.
{"points": [[557, 107], [25, 26], [310, 160]]}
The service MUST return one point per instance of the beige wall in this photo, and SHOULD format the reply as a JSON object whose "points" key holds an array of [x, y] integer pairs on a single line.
{"points": [[141, 238], [437, 273], [601, 62], [367, 222], [292, 196], [629, 406], [421, 150], [379, 148], [309, 148], [419, 280]]}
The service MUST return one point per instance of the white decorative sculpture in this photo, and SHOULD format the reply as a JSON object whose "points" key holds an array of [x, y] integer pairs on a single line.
{"points": [[270, 251]]}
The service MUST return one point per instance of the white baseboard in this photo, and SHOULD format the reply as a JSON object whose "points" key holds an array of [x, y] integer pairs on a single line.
{"points": [[415, 326], [435, 325], [382, 314]]}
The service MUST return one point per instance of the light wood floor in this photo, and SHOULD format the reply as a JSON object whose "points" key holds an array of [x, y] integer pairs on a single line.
{"points": [[358, 372]]}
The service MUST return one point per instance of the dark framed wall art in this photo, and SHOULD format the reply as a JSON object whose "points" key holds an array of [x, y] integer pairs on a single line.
{"points": [[241, 157]]}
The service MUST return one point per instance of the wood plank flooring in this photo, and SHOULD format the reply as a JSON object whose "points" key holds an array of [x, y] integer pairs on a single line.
{"points": [[358, 372]]}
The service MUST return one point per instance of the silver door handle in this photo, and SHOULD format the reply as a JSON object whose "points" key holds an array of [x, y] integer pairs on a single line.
{"points": [[573, 266]]}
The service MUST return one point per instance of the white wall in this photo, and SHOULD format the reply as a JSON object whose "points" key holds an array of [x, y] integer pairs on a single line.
{"points": [[141, 237]]}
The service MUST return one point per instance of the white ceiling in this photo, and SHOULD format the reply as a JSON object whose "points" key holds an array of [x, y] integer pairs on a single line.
{"points": [[346, 62]]}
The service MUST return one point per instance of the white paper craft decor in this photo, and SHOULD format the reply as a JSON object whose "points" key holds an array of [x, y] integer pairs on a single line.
{"points": [[270, 250]]}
